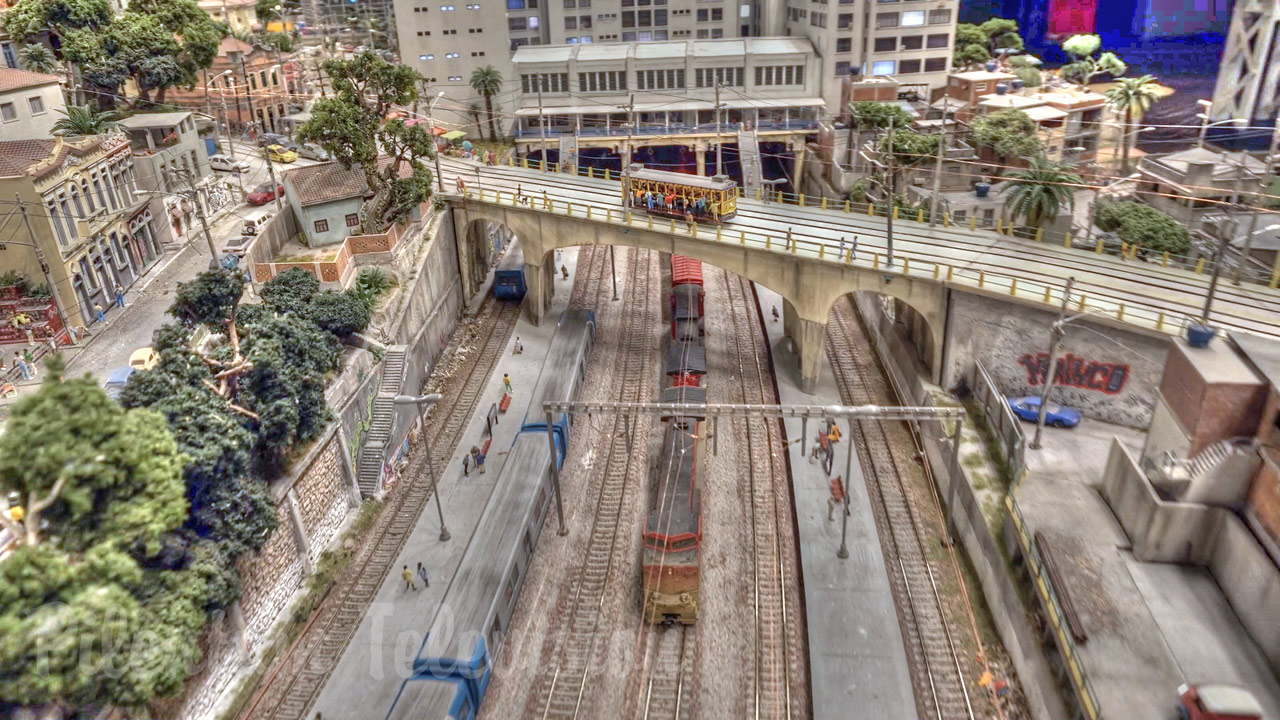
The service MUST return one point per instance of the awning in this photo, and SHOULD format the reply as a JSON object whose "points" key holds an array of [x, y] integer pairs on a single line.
{"points": [[1044, 112], [454, 135], [677, 106]]}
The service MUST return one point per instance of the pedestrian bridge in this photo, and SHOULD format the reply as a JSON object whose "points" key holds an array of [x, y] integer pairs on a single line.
{"points": [[795, 252]]}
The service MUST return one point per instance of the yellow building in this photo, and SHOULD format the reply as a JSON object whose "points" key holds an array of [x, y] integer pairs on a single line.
{"points": [[81, 195], [238, 14]]}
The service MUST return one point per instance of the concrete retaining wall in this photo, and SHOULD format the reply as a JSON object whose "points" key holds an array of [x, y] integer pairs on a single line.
{"points": [[1162, 531], [1116, 370], [999, 591]]}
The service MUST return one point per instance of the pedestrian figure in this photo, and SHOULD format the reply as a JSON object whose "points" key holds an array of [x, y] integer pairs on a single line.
{"points": [[506, 384], [31, 338], [688, 220], [519, 347], [790, 239], [837, 497], [422, 573], [480, 462], [775, 313], [462, 186], [564, 271], [119, 296], [466, 465], [408, 579], [853, 249], [21, 364], [98, 315], [842, 249]]}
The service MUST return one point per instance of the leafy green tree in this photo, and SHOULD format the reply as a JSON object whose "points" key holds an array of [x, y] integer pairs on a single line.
{"points": [[1009, 133], [1029, 76], [290, 291], [84, 621], [870, 115], [487, 81], [341, 313], [1085, 67], [1039, 192], [1134, 97], [1001, 34], [1144, 226], [36, 57], [352, 126], [85, 120], [969, 55]]}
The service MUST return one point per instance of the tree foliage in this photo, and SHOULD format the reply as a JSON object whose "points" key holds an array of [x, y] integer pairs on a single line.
{"points": [[1144, 226], [352, 126], [86, 619], [341, 313], [1133, 97], [1086, 66], [1029, 76], [1010, 133], [1041, 191], [36, 57], [910, 147], [870, 115], [487, 82], [975, 44], [85, 120]]}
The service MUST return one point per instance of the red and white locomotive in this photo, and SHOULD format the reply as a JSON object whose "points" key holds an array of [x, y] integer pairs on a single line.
{"points": [[673, 526]]}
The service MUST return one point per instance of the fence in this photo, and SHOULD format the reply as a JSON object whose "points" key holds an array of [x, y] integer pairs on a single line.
{"points": [[336, 270], [1008, 429], [1129, 253], [1048, 293]]}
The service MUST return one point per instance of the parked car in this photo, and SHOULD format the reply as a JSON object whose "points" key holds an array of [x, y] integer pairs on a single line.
{"points": [[116, 381], [1217, 702], [144, 359], [240, 245], [311, 151], [266, 139], [264, 194], [280, 153], [226, 164], [1028, 408]]}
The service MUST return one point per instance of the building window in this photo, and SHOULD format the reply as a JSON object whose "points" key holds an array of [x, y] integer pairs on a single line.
{"points": [[452, 56], [939, 17], [660, 79], [52, 207], [353, 220], [844, 45], [913, 18], [886, 44], [844, 21], [37, 105], [912, 42], [455, 78], [533, 22], [7, 112], [609, 81], [549, 82], [660, 18], [780, 75], [515, 4], [842, 68], [322, 226], [424, 58], [708, 77], [818, 19], [940, 40], [517, 23], [882, 67], [447, 8], [937, 64], [906, 67], [886, 20], [475, 6]]}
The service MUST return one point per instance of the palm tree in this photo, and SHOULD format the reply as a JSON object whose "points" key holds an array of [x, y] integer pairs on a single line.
{"points": [[1134, 96], [1040, 191], [488, 81], [85, 120], [38, 58]]}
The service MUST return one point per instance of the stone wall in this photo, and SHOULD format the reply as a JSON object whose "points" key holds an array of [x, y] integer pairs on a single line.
{"points": [[1111, 374], [269, 578], [323, 496]]}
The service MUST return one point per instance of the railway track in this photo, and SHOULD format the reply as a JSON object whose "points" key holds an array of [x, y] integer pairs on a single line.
{"points": [[934, 663], [562, 687], [665, 694], [776, 652], [297, 677]]}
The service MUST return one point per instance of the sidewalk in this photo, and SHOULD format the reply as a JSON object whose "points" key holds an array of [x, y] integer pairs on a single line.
{"points": [[365, 681], [856, 655]]}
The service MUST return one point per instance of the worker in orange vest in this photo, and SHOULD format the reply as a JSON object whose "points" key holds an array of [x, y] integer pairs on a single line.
{"points": [[837, 497]]}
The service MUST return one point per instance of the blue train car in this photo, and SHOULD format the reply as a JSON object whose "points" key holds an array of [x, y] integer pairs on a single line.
{"points": [[508, 279], [563, 375], [454, 666]]}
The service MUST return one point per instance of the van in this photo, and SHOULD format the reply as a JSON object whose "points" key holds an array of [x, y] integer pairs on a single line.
{"points": [[255, 221]]}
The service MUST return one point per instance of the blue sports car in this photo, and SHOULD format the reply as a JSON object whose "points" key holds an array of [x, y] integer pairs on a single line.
{"points": [[1028, 408]]}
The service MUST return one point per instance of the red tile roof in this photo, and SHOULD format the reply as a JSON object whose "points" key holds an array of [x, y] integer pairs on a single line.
{"points": [[13, 79], [329, 182], [18, 157]]}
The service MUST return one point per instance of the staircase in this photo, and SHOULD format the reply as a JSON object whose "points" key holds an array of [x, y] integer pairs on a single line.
{"points": [[381, 422], [1214, 471], [749, 158]]}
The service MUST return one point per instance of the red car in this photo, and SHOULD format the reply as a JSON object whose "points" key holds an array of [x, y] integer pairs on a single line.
{"points": [[264, 194], [1217, 702]]}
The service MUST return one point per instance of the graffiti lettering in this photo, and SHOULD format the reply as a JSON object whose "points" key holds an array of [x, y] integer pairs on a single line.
{"points": [[1073, 371]]}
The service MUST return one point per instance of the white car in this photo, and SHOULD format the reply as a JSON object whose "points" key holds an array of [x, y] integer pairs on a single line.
{"points": [[311, 151], [226, 164]]}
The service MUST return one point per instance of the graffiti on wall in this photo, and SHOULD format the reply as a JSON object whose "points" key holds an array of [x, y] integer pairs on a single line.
{"points": [[1073, 371]]}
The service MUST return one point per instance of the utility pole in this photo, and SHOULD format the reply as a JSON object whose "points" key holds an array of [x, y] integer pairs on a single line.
{"points": [[542, 125], [231, 144], [893, 187], [719, 140], [275, 187], [204, 224], [1262, 182], [631, 126], [435, 150], [937, 172], [320, 79], [248, 94], [1055, 343], [44, 269]]}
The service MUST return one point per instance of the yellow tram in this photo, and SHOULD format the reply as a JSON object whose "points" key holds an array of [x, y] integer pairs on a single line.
{"points": [[677, 195]]}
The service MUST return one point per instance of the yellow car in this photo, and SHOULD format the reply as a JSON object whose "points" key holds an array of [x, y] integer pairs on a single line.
{"points": [[280, 153], [144, 359]]}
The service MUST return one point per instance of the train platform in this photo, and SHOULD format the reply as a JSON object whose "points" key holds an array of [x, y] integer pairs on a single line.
{"points": [[1150, 626], [379, 656], [857, 658]]}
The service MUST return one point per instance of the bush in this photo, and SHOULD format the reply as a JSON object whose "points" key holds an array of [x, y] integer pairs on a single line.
{"points": [[341, 313], [290, 291], [1144, 226], [1029, 76]]}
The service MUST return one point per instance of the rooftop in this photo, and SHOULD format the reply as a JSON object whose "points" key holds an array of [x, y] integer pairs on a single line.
{"points": [[727, 47], [1008, 101], [1226, 164], [1262, 353], [12, 79], [154, 120], [21, 157], [981, 75], [330, 182]]}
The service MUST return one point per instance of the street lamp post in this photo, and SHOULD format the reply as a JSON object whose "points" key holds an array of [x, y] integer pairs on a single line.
{"points": [[435, 149], [422, 402]]}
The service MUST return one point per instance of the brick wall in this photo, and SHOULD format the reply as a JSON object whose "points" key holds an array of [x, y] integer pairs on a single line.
{"points": [[324, 497], [269, 578]]}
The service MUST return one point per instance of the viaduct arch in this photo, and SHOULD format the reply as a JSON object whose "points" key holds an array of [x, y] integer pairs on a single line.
{"points": [[809, 286]]}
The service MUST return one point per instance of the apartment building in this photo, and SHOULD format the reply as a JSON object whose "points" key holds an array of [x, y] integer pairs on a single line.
{"points": [[30, 103], [239, 15], [82, 195], [249, 81], [910, 40]]}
